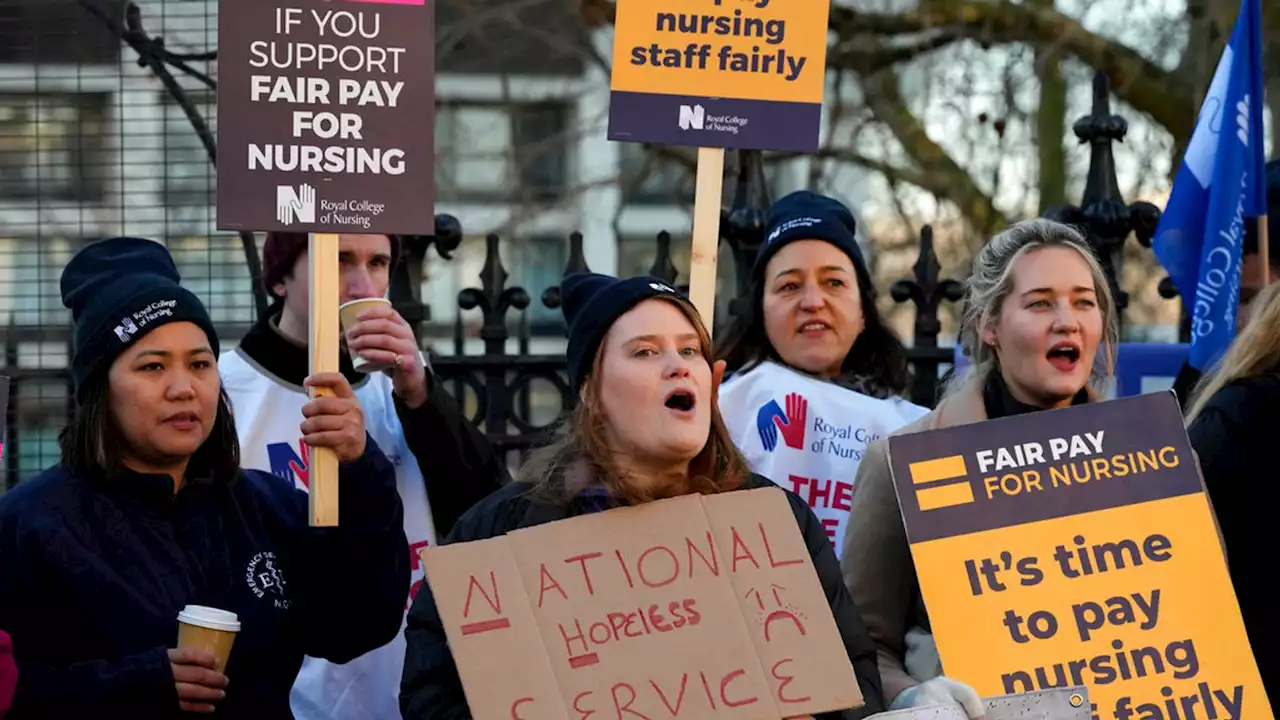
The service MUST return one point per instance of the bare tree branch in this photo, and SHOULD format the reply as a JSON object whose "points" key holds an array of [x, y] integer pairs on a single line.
{"points": [[868, 55], [1051, 125], [940, 174], [1169, 98]]}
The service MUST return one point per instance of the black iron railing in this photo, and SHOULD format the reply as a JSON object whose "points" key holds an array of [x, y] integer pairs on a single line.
{"points": [[502, 382]]}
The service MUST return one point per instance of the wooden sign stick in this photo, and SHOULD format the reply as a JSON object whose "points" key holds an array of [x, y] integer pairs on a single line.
{"points": [[1264, 250], [705, 251], [322, 463]]}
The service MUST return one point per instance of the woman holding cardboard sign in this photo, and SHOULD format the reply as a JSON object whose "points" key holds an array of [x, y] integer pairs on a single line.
{"points": [[1040, 326], [148, 574], [646, 427]]}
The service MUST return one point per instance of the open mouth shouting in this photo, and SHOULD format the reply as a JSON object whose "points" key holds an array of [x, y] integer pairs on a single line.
{"points": [[682, 402], [1064, 356]]}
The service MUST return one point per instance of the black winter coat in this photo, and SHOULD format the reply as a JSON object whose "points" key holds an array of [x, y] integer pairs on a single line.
{"points": [[1235, 437], [93, 572], [431, 689]]}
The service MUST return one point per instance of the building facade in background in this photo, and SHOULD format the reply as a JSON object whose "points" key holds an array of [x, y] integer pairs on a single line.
{"points": [[92, 145]]}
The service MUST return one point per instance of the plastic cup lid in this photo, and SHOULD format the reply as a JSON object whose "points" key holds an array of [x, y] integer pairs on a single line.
{"points": [[208, 617], [362, 301]]}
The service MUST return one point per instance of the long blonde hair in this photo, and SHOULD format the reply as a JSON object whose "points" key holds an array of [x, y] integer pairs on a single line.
{"points": [[992, 280], [1255, 351]]}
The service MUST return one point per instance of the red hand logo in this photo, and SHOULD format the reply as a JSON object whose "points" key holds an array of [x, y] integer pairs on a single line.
{"points": [[793, 429]]}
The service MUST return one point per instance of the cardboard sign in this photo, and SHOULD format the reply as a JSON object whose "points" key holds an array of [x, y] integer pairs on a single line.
{"points": [[327, 113], [489, 615], [688, 607], [745, 74], [1077, 547]]}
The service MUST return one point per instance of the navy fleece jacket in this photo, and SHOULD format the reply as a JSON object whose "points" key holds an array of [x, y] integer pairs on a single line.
{"points": [[93, 573]]}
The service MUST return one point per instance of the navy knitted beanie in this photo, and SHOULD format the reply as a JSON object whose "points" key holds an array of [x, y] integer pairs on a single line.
{"points": [[805, 215], [118, 290], [591, 302]]}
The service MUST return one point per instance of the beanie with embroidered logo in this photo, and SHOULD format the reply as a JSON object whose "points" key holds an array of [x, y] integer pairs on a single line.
{"points": [[118, 290]]}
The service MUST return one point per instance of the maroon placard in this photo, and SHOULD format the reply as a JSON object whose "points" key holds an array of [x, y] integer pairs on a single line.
{"points": [[326, 111]]}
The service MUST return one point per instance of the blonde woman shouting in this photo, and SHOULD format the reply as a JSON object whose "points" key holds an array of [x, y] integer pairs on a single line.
{"points": [[1039, 324]]}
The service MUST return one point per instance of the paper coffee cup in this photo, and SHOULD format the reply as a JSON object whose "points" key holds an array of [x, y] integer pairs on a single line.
{"points": [[350, 314], [211, 629]]}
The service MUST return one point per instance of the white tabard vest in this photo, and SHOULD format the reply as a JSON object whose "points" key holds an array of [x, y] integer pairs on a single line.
{"points": [[808, 435], [268, 413]]}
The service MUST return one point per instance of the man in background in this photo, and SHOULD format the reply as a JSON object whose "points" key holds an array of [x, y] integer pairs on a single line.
{"points": [[1251, 279], [443, 464]]}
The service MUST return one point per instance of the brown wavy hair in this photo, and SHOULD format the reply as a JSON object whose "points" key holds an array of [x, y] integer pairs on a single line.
{"points": [[582, 457]]}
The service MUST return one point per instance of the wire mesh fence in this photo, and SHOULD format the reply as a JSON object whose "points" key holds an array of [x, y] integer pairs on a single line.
{"points": [[92, 144]]}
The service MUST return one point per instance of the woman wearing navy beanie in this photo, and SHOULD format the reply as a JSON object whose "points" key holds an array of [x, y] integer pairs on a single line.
{"points": [[814, 374], [646, 427], [149, 513]]}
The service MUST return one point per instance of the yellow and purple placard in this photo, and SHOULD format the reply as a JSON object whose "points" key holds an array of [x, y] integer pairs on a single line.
{"points": [[745, 74], [1078, 547]]}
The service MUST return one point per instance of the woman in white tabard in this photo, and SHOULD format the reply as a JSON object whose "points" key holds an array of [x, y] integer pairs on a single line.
{"points": [[443, 464], [814, 373]]}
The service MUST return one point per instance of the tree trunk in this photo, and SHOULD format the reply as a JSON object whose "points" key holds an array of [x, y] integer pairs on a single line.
{"points": [[1051, 123]]}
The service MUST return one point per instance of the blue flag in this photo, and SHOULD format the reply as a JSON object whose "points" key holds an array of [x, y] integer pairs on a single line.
{"points": [[1220, 183]]}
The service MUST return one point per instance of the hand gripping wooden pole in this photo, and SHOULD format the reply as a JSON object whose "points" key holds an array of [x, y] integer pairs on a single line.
{"points": [[322, 260], [705, 251]]}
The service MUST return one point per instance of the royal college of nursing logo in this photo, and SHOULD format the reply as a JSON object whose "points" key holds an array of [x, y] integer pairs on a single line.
{"points": [[772, 421], [295, 204], [289, 464], [126, 329], [264, 578]]}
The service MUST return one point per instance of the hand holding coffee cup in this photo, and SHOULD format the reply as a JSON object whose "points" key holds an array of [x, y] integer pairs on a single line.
{"points": [[205, 638], [197, 683], [379, 339]]}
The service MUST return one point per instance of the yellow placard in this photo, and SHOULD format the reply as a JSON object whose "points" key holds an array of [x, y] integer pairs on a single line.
{"points": [[744, 49], [1114, 600], [1077, 547]]}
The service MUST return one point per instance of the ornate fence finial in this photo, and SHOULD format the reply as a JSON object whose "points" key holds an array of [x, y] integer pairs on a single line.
{"points": [[662, 267], [494, 298], [1103, 213], [447, 237], [743, 225], [577, 263], [407, 278], [577, 258], [927, 292]]}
